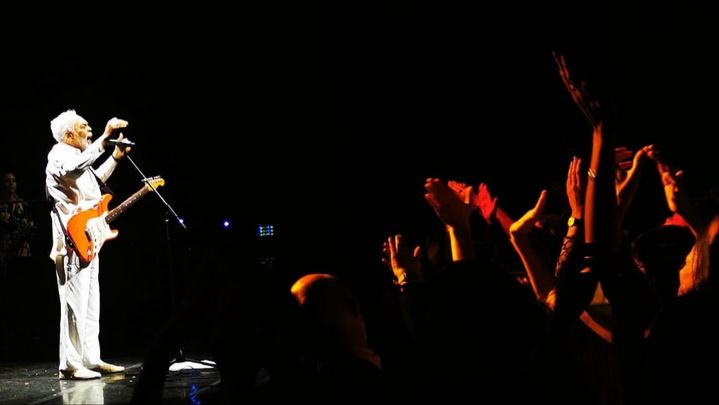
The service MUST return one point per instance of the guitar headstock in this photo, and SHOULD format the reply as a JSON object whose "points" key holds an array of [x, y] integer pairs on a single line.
{"points": [[154, 182]]}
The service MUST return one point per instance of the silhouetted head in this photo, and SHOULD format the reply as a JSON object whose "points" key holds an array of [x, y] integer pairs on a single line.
{"points": [[478, 318], [9, 184], [660, 253], [546, 237], [332, 315]]}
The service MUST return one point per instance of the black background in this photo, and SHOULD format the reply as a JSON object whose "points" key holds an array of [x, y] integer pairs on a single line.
{"points": [[325, 120]]}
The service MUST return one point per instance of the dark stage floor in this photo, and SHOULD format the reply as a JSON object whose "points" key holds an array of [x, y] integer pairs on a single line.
{"points": [[38, 383]]}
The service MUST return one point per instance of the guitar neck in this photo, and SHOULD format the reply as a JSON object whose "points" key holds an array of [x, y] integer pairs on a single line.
{"points": [[115, 212]]}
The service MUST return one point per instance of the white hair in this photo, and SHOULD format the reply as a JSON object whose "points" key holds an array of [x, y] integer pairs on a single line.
{"points": [[63, 123]]}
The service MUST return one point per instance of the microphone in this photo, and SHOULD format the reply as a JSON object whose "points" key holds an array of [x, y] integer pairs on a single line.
{"points": [[123, 142]]}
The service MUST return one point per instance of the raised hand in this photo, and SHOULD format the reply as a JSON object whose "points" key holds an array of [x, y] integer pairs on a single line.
{"points": [[588, 104], [482, 199], [540, 273], [463, 191], [446, 203], [486, 203], [455, 214], [113, 124], [523, 225], [675, 190], [401, 259], [575, 191], [120, 151]]}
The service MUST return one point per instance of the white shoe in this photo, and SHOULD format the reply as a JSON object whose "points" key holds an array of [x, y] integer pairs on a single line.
{"points": [[107, 368], [79, 374]]}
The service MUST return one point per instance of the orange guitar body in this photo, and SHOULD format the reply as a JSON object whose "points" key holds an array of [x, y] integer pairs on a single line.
{"points": [[88, 230]]}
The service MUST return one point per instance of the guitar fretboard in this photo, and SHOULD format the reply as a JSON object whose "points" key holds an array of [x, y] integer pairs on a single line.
{"points": [[115, 212]]}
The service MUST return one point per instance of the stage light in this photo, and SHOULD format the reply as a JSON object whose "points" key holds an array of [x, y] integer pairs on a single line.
{"points": [[265, 231], [226, 224]]}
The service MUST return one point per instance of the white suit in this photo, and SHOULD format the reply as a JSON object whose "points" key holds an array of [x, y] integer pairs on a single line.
{"points": [[73, 186]]}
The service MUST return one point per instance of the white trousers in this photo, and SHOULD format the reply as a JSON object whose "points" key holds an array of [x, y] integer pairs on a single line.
{"points": [[79, 291]]}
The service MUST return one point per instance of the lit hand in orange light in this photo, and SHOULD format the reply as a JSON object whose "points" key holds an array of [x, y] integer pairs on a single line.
{"points": [[463, 191], [447, 204], [588, 104], [575, 191], [482, 199], [523, 225], [401, 259]]}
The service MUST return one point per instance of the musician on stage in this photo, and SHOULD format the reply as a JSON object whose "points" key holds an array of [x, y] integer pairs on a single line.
{"points": [[73, 186]]}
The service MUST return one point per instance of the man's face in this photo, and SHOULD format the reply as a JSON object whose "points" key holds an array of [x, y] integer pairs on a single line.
{"points": [[80, 136], [9, 183]]}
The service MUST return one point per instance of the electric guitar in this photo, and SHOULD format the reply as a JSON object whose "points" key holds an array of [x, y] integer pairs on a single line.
{"points": [[89, 229]]}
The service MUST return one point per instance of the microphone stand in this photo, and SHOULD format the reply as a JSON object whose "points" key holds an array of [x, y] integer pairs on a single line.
{"points": [[170, 212], [167, 205]]}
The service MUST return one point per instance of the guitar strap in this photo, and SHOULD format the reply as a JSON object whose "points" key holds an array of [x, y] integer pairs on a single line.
{"points": [[104, 189], [68, 239]]}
